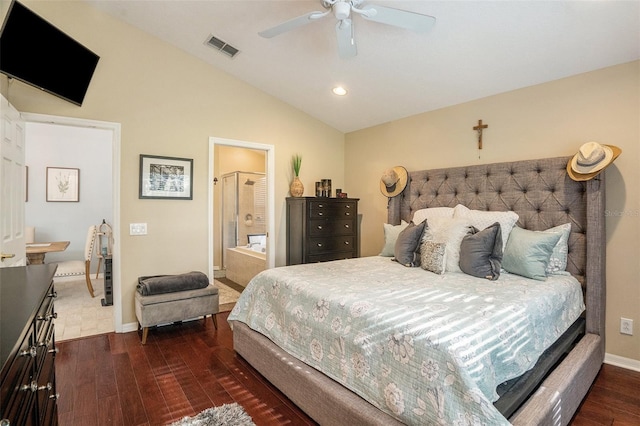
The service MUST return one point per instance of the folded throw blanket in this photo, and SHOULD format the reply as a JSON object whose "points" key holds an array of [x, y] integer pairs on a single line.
{"points": [[159, 284]]}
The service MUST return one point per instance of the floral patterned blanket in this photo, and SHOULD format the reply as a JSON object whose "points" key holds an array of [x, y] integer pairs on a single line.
{"points": [[425, 348]]}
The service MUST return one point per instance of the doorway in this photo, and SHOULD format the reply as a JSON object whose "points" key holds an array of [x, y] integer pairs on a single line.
{"points": [[109, 135], [226, 158]]}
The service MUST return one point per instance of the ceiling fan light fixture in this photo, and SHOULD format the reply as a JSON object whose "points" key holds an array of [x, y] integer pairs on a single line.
{"points": [[341, 10], [339, 91]]}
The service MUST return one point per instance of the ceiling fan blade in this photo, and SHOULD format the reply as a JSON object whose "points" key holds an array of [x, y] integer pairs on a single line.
{"points": [[346, 42], [293, 23], [398, 18]]}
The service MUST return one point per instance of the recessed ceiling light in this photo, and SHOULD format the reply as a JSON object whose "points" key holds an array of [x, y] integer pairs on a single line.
{"points": [[339, 90]]}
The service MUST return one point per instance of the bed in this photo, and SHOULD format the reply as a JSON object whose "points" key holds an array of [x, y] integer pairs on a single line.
{"points": [[542, 195]]}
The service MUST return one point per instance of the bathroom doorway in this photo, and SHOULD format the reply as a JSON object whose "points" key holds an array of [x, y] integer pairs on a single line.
{"points": [[241, 217]]}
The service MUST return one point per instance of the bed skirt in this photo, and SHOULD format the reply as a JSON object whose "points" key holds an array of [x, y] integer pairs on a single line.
{"points": [[329, 403]]}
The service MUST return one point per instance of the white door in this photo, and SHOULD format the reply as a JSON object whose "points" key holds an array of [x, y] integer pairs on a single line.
{"points": [[12, 186]]}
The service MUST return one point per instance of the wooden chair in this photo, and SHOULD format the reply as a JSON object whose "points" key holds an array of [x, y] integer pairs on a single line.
{"points": [[73, 268]]}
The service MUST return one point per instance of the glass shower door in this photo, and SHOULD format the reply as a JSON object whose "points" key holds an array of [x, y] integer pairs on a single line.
{"points": [[229, 214]]}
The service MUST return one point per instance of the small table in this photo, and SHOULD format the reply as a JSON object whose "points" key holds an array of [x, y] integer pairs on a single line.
{"points": [[36, 251]]}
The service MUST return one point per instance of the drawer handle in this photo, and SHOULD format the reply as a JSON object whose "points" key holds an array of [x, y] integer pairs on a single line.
{"points": [[32, 352], [48, 317], [347, 213], [320, 214], [346, 226], [33, 387], [348, 206], [47, 343], [320, 205], [346, 243], [319, 226], [319, 244]]}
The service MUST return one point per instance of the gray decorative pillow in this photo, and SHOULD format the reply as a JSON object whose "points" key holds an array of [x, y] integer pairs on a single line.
{"points": [[391, 233], [528, 252], [406, 249], [433, 257], [481, 252]]}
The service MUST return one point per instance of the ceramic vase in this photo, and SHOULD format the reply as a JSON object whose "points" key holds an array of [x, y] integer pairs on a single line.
{"points": [[296, 189]]}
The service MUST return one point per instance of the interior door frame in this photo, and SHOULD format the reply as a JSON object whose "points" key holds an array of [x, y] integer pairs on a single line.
{"points": [[269, 151], [115, 181]]}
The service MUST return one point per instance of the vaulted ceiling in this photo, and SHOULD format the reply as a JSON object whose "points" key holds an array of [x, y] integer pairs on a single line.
{"points": [[475, 49]]}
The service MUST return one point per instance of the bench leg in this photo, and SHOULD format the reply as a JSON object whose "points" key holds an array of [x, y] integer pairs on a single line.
{"points": [[215, 321]]}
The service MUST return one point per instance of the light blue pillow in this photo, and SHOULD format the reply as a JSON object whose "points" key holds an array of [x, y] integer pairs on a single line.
{"points": [[527, 253], [558, 260], [391, 233]]}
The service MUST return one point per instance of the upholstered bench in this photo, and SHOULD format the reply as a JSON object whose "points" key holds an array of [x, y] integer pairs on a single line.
{"points": [[176, 306]]}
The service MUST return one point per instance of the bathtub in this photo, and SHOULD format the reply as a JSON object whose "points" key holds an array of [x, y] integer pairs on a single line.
{"points": [[243, 263]]}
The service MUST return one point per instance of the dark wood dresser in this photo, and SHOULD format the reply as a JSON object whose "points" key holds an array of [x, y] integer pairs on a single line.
{"points": [[321, 229], [27, 346]]}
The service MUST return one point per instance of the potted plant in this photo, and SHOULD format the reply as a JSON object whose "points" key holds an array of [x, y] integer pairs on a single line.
{"points": [[296, 189]]}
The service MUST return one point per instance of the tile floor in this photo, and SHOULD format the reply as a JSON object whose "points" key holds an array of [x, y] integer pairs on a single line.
{"points": [[79, 315]]}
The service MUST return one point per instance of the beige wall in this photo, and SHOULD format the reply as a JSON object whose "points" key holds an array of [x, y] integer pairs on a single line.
{"points": [[547, 120], [170, 103]]}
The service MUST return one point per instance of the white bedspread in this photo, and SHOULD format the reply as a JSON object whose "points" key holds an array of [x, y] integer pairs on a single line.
{"points": [[427, 349]]}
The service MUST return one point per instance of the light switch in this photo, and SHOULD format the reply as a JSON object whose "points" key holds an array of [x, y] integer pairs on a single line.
{"points": [[137, 229]]}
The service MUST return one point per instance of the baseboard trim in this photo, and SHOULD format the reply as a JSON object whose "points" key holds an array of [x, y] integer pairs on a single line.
{"points": [[620, 361], [131, 326]]}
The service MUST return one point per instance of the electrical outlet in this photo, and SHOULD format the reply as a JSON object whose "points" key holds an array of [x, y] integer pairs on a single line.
{"points": [[626, 326], [137, 229]]}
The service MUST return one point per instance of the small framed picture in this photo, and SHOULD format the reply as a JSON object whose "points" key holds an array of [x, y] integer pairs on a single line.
{"points": [[63, 184], [166, 177]]}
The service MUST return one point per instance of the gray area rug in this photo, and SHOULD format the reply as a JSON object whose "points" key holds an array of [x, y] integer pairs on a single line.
{"points": [[225, 415]]}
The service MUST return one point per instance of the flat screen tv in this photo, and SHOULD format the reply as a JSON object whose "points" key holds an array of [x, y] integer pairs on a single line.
{"points": [[35, 52]]}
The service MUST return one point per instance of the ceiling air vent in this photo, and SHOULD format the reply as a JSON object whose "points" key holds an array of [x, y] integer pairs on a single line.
{"points": [[222, 46]]}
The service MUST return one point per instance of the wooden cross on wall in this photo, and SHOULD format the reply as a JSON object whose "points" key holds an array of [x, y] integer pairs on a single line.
{"points": [[479, 129]]}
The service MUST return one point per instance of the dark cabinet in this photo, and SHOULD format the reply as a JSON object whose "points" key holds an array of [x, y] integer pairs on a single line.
{"points": [[321, 229], [108, 282], [27, 346]]}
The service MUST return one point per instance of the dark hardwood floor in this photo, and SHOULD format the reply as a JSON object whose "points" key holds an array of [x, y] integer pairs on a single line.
{"points": [[111, 379]]}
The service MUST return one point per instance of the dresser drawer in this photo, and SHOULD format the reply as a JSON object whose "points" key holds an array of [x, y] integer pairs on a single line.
{"points": [[46, 392], [328, 228], [324, 209], [321, 245], [20, 373], [326, 257]]}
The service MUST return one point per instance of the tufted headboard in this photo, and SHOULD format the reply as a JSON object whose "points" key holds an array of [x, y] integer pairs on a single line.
{"points": [[541, 193]]}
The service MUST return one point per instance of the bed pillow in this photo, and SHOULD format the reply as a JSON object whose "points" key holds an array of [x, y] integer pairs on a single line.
{"points": [[391, 233], [433, 257], [421, 215], [482, 219], [406, 250], [481, 252], [558, 260], [528, 252], [448, 230]]}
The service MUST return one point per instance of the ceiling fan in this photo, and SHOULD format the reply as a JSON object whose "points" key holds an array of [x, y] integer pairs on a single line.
{"points": [[343, 10]]}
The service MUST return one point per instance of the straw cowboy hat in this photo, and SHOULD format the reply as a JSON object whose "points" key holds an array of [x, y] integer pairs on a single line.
{"points": [[591, 159], [393, 181]]}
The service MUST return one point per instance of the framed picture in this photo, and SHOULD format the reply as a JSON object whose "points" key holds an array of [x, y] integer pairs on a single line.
{"points": [[63, 184], [166, 177]]}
